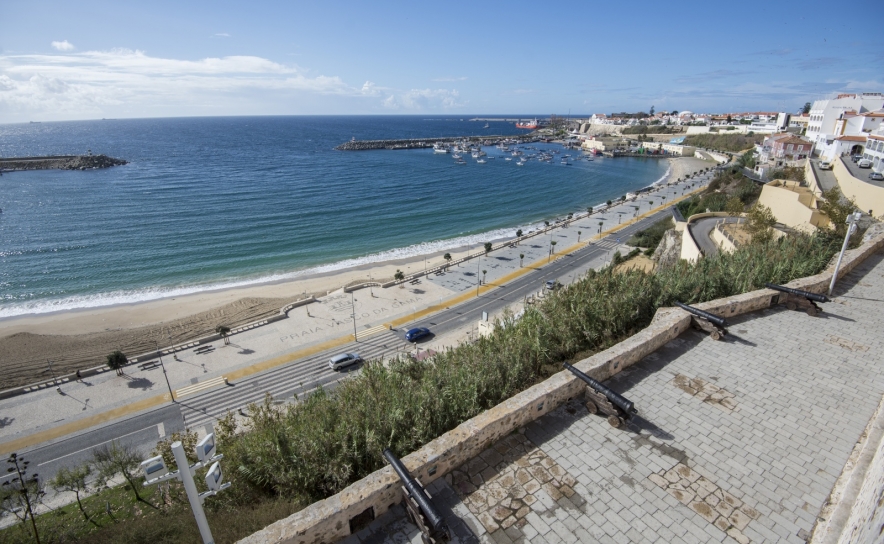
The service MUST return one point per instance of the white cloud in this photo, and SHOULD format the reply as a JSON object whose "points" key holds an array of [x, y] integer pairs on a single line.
{"points": [[462, 78], [63, 45], [222, 35]]}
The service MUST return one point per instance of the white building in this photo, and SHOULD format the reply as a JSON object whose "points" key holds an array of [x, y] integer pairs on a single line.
{"points": [[824, 113]]}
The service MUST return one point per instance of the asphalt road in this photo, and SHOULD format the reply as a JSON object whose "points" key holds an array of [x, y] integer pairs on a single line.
{"points": [[142, 431]]}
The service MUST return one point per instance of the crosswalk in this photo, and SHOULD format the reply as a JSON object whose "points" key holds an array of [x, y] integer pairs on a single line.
{"points": [[283, 383]]}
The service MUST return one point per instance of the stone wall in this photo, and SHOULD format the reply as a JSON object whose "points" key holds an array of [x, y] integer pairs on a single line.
{"points": [[329, 520]]}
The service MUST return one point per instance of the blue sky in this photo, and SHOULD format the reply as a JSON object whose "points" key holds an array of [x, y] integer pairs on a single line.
{"points": [[91, 59]]}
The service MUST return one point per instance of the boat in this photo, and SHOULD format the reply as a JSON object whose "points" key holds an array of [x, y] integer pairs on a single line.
{"points": [[481, 161], [460, 161], [440, 148], [508, 159], [530, 125], [486, 125]]}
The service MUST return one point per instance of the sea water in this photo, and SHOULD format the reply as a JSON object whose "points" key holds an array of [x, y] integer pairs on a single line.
{"points": [[207, 203]]}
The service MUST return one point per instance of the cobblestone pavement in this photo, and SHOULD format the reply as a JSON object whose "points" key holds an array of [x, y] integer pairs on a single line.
{"points": [[739, 440]]}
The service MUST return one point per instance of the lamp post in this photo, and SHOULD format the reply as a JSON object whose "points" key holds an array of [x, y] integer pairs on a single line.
{"points": [[160, 355], [478, 266], [353, 305], [851, 222]]}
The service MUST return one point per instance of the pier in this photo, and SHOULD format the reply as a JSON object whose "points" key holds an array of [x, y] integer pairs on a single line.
{"points": [[421, 143], [59, 162]]}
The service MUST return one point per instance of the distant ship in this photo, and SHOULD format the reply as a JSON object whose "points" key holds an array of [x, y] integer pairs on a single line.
{"points": [[529, 125]]}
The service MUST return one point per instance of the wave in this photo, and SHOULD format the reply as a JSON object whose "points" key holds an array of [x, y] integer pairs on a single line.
{"points": [[132, 296], [663, 178]]}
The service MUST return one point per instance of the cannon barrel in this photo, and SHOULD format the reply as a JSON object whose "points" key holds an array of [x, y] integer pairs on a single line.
{"points": [[616, 398], [712, 318], [798, 292], [415, 490]]}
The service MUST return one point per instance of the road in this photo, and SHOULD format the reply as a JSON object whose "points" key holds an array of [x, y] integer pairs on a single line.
{"points": [[143, 430]]}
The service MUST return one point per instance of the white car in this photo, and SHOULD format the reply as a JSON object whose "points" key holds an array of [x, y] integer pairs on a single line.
{"points": [[864, 163], [344, 359], [825, 165]]}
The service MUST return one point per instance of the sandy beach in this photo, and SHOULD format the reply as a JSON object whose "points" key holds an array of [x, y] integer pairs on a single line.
{"points": [[78, 339]]}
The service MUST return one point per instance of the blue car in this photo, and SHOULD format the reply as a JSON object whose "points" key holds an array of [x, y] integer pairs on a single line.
{"points": [[416, 334]]}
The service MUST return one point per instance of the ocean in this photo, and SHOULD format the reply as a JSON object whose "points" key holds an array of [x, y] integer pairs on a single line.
{"points": [[208, 203]]}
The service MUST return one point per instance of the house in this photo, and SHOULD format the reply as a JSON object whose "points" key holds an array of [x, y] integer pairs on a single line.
{"points": [[825, 113], [784, 146]]}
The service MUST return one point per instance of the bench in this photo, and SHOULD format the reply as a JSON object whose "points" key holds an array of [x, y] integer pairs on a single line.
{"points": [[150, 364], [415, 281], [204, 349]]}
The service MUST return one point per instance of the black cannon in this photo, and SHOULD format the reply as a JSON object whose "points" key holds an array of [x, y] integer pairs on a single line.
{"points": [[704, 321], [798, 298], [602, 399], [418, 505]]}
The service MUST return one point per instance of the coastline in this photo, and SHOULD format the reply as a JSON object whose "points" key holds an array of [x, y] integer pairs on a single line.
{"points": [[74, 336]]}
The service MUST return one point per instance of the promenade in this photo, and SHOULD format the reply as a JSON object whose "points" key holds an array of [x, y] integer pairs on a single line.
{"points": [[740, 440]]}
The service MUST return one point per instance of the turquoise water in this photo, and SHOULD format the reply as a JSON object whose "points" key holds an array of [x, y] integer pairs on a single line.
{"points": [[215, 202]]}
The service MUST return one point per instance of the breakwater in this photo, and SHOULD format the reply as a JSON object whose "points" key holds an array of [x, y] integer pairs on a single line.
{"points": [[59, 162], [421, 143]]}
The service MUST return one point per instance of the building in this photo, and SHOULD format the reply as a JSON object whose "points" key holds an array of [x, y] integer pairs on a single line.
{"points": [[825, 113], [793, 205], [670, 148], [784, 146]]}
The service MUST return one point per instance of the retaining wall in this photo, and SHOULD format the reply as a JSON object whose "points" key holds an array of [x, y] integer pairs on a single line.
{"points": [[329, 520]]}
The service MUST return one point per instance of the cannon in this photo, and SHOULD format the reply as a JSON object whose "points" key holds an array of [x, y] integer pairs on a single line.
{"points": [[602, 399], [704, 321], [418, 504], [798, 298]]}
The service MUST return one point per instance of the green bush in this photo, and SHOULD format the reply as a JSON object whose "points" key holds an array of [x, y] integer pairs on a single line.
{"points": [[651, 236], [724, 142]]}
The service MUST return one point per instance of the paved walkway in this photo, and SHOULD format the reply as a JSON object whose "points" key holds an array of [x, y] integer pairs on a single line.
{"points": [[45, 415], [737, 441]]}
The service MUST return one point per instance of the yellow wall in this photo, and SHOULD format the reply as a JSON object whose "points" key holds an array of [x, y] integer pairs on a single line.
{"points": [[867, 196], [791, 208]]}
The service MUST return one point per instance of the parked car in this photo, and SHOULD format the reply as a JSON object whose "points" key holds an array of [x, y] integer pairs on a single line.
{"points": [[416, 334], [552, 285], [864, 163], [825, 165], [877, 176], [344, 359], [855, 158]]}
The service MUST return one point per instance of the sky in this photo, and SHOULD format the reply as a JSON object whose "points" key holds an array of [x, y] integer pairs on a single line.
{"points": [[62, 60]]}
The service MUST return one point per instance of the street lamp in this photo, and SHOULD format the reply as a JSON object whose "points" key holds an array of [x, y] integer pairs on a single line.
{"points": [[160, 355], [353, 305], [478, 265], [156, 471], [851, 221]]}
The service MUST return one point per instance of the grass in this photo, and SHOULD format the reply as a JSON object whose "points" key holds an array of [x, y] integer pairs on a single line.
{"points": [[724, 142], [651, 236]]}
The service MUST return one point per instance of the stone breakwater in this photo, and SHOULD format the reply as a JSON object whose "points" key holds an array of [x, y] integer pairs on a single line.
{"points": [[421, 143], [60, 162]]}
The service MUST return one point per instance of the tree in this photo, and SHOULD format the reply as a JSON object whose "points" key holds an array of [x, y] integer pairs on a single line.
{"points": [[759, 223], [652, 110], [521, 256], [747, 159], [674, 112], [734, 206], [223, 330], [447, 258], [399, 275], [570, 215], [74, 481], [20, 494], [837, 208], [806, 109], [117, 458], [578, 235], [519, 233], [116, 361], [608, 203], [487, 247], [546, 223], [483, 275], [729, 119], [553, 246]]}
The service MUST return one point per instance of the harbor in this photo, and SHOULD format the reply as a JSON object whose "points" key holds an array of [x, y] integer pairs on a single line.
{"points": [[59, 162], [423, 143]]}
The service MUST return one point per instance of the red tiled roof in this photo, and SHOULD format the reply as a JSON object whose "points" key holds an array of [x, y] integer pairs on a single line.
{"points": [[876, 137], [851, 138]]}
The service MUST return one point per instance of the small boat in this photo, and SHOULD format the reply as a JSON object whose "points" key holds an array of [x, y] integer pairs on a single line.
{"points": [[456, 155], [508, 159], [460, 161], [481, 161], [486, 125], [440, 148]]}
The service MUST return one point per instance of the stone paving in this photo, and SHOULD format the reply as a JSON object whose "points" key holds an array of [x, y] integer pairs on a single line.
{"points": [[739, 440]]}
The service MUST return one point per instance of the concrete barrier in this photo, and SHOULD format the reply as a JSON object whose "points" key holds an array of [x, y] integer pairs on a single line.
{"points": [[329, 520]]}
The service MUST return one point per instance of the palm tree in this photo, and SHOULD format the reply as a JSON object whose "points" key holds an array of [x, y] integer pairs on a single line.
{"points": [[483, 275], [519, 233], [223, 330], [600, 226], [447, 258], [578, 235], [521, 256], [487, 247], [116, 361], [399, 275], [552, 249], [546, 223], [608, 203]]}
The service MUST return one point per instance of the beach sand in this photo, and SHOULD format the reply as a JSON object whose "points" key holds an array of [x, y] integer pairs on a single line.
{"points": [[79, 339]]}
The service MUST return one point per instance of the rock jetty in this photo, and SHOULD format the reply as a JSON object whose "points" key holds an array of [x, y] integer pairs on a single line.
{"points": [[420, 143], [59, 162]]}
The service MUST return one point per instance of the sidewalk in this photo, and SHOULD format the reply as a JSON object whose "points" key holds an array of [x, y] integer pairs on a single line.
{"points": [[44, 415]]}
